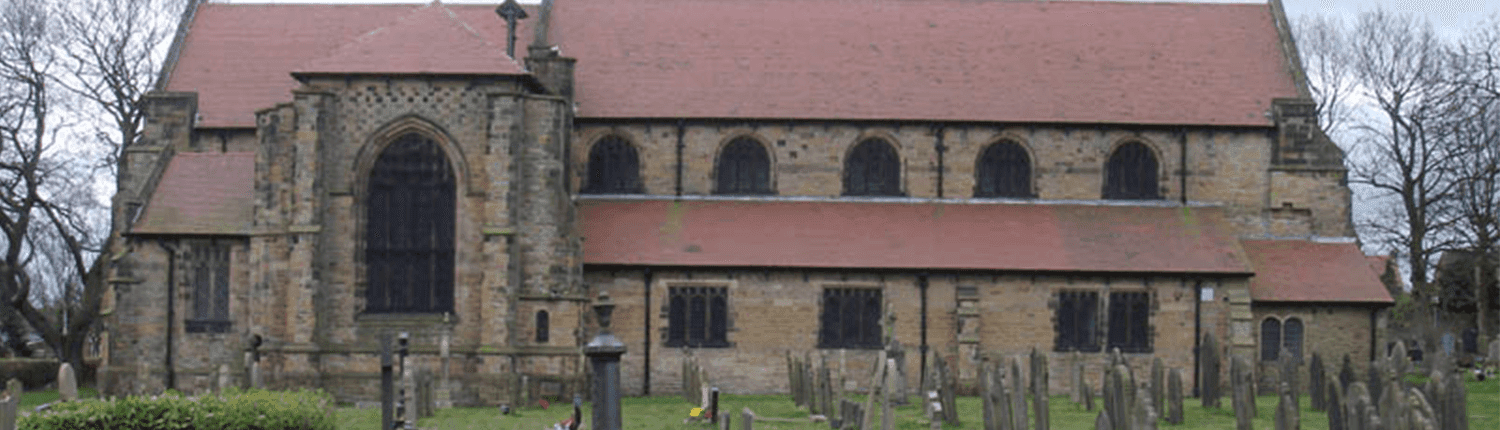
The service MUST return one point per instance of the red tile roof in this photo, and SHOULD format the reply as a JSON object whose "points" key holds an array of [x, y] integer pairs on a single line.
{"points": [[1058, 61], [202, 193], [428, 40], [1022, 237], [1378, 264], [1307, 271], [1042, 61]]}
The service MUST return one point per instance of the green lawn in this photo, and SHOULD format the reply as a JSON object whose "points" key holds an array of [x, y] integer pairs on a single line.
{"points": [[669, 412]]}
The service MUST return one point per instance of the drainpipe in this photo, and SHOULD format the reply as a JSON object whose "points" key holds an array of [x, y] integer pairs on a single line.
{"points": [[1182, 169], [171, 377], [922, 288], [646, 371], [1197, 331], [940, 148], [681, 129]]}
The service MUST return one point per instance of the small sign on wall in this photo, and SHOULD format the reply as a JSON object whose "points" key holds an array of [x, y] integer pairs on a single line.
{"points": [[1206, 294]]}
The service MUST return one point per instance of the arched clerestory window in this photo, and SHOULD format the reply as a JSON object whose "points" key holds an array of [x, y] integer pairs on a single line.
{"points": [[1270, 339], [410, 210], [1003, 170], [872, 169], [1131, 174], [614, 168], [743, 168]]}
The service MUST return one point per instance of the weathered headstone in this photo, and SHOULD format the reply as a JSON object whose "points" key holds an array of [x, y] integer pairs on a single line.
{"points": [[851, 415], [1119, 395], [1143, 415], [1333, 398], [747, 419], [10, 403], [826, 396], [1316, 382], [1346, 375], [1401, 362], [1088, 395], [1448, 397], [1018, 396], [1208, 374], [1075, 377], [1359, 411], [987, 397], [1290, 368], [1040, 378], [226, 379], [67, 383], [1375, 379], [1103, 421], [897, 377], [1494, 351], [1243, 394], [1288, 412], [1158, 381], [1174, 397]]}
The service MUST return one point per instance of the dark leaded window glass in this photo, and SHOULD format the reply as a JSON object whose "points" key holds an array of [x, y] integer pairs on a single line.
{"points": [[210, 283], [698, 316], [409, 229], [873, 169], [1270, 339], [1129, 321], [543, 327], [1076, 321], [851, 318], [1131, 174], [614, 168], [1291, 338], [1004, 170], [744, 168]]}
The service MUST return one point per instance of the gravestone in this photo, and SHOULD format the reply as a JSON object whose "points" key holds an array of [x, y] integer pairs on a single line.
{"points": [[1448, 341], [1103, 421], [1119, 396], [67, 383], [987, 397], [1448, 398], [945, 385], [826, 396], [1040, 379], [1075, 377], [1088, 396], [1287, 409], [1289, 371], [1315, 382], [1174, 397], [1018, 412], [851, 415], [897, 378], [1143, 414], [747, 419], [1243, 396], [1346, 375], [1208, 373], [10, 404], [1494, 351], [1359, 412], [1334, 401], [1158, 381], [1375, 379], [1400, 363], [226, 379]]}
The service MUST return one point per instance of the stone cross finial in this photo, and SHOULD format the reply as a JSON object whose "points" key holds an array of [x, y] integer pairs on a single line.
{"points": [[511, 12]]}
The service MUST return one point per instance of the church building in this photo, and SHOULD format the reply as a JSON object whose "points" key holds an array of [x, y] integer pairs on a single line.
{"points": [[744, 179]]}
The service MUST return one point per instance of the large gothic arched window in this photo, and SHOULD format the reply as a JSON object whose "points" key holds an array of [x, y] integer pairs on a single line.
{"points": [[744, 168], [614, 168], [1004, 170], [1131, 174], [409, 229], [872, 169]]}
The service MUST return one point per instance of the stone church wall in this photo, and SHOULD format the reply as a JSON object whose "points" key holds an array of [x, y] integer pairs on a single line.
{"points": [[1225, 165], [775, 312]]}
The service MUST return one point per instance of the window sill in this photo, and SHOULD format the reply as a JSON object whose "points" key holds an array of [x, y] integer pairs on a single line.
{"points": [[714, 345], [401, 319]]}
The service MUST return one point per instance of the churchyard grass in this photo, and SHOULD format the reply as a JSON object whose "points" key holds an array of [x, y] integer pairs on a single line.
{"points": [[669, 411], [31, 399]]}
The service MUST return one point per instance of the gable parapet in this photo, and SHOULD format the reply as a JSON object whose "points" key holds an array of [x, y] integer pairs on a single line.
{"points": [[1300, 142]]}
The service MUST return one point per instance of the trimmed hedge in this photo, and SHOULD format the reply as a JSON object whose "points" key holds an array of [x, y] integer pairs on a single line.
{"points": [[233, 410]]}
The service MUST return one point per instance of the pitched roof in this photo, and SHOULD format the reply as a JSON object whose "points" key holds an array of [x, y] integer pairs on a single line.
{"points": [[202, 193], [239, 57], [1026, 61], [1378, 264], [1308, 271], [910, 235], [428, 40], [959, 60]]}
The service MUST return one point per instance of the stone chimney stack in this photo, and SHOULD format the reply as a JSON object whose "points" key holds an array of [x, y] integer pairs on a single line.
{"points": [[545, 61]]}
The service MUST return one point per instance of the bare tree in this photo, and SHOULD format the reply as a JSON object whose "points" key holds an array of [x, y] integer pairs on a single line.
{"points": [[1474, 119], [1323, 46], [1404, 152], [115, 52]]}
